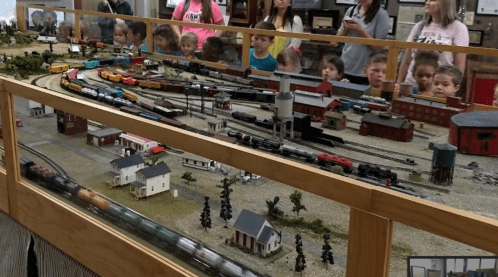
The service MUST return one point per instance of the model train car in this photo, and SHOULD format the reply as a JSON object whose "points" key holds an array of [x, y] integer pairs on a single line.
{"points": [[366, 170], [244, 116], [193, 252]]}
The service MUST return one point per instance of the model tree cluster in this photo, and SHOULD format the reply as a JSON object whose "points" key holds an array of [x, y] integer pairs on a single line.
{"points": [[226, 208], [273, 211], [206, 215], [188, 177], [300, 259], [296, 200], [327, 255]]}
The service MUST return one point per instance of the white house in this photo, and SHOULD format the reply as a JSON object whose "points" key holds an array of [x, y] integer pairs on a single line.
{"points": [[194, 161], [151, 180], [123, 170], [256, 233], [137, 142]]}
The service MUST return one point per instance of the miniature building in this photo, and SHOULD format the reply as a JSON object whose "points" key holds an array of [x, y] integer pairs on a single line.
{"points": [[124, 169], [46, 39], [283, 110], [238, 70], [150, 181], [246, 176], [475, 132], [313, 104], [349, 89], [443, 163], [69, 124], [215, 125], [335, 120], [103, 137], [256, 233], [415, 175], [426, 111], [137, 142], [325, 88], [385, 126], [32, 108], [222, 101], [194, 161]]}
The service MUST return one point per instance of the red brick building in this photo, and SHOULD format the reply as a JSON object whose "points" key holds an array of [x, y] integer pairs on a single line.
{"points": [[103, 137], [385, 126], [314, 104], [427, 111], [69, 124], [475, 133]]}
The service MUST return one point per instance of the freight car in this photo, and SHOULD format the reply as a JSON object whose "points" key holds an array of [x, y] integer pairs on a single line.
{"points": [[298, 153], [58, 68], [366, 170], [193, 252], [327, 159], [244, 116]]}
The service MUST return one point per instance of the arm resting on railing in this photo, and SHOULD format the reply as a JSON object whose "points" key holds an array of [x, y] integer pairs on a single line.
{"points": [[405, 63]]}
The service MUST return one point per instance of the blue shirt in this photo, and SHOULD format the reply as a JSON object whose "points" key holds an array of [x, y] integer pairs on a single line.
{"points": [[269, 63]]}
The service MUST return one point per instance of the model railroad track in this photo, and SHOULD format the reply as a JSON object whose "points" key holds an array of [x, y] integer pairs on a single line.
{"points": [[57, 167], [425, 186]]}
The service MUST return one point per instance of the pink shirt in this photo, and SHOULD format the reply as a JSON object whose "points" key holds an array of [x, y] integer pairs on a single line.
{"points": [[455, 33], [193, 14]]}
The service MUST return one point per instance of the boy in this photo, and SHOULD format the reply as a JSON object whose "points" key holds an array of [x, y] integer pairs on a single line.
{"points": [[447, 81], [212, 49], [137, 31], [423, 72], [188, 44], [375, 69], [260, 58]]}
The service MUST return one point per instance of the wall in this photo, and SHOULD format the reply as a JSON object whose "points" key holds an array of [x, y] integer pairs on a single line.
{"points": [[480, 21], [68, 4]]}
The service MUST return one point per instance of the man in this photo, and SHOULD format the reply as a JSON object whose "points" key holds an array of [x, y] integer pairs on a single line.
{"points": [[107, 24]]}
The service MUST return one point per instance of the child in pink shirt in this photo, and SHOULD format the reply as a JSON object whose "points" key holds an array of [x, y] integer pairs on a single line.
{"points": [[196, 12]]}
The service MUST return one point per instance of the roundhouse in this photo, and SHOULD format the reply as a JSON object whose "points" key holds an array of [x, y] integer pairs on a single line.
{"points": [[475, 132]]}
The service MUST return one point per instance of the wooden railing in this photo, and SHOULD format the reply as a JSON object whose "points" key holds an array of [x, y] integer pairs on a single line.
{"points": [[110, 253]]}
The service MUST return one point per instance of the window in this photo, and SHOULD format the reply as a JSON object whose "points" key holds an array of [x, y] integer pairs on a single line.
{"points": [[195, 162], [202, 164], [163, 185], [126, 178], [263, 246], [186, 160], [152, 188], [143, 178], [269, 246], [275, 243], [484, 136], [138, 165]]}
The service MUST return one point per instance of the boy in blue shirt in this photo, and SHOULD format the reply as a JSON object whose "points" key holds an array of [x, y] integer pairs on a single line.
{"points": [[260, 58]]}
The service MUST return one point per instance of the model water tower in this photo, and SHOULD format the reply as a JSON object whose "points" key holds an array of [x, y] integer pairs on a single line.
{"points": [[443, 163], [283, 111]]}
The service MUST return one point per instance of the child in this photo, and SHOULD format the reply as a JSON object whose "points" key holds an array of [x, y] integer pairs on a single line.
{"points": [[259, 56], [188, 44], [423, 71], [212, 49], [332, 68], [375, 69], [120, 34], [288, 60], [137, 31], [447, 80], [164, 37]]}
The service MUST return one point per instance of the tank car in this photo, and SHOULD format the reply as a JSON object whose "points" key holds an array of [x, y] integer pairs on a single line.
{"points": [[325, 158], [298, 153]]}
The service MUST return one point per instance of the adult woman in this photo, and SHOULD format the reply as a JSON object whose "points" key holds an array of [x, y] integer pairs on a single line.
{"points": [[366, 20], [281, 16], [198, 11], [440, 27]]}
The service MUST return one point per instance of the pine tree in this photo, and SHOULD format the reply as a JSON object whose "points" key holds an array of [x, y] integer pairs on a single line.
{"points": [[300, 259], [327, 255], [226, 208], [206, 215], [296, 200]]}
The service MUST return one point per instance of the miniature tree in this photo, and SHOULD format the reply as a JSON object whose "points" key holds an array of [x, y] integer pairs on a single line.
{"points": [[4, 58], [188, 176], [300, 259], [51, 47], [337, 170], [226, 208], [327, 255], [206, 215], [296, 200], [154, 159], [273, 211], [83, 50]]}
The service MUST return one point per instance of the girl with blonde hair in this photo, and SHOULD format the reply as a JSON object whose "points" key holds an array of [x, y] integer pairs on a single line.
{"points": [[439, 27]]}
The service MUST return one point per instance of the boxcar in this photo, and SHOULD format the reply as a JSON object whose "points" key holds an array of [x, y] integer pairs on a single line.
{"points": [[121, 59], [137, 59], [149, 116], [130, 96], [77, 65], [147, 106], [115, 78], [149, 84], [129, 110], [92, 64], [163, 111], [58, 68], [173, 122]]}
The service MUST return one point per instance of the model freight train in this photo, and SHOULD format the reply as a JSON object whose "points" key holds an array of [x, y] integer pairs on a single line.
{"points": [[292, 151], [366, 170], [195, 253]]}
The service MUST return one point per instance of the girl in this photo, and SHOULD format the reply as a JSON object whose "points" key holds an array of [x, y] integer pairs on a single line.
{"points": [[120, 34], [366, 20], [198, 11], [164, 40], [282, 17], [332, 68], [440, 27], [288, 60], [423, 72]]}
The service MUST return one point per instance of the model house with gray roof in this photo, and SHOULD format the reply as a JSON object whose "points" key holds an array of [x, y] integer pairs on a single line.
{"points": [[256, 233], [151, 180], [124, 169]]}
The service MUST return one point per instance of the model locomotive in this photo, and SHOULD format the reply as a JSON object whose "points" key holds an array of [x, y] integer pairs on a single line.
{"points": [[193, 252], [366, 170]]}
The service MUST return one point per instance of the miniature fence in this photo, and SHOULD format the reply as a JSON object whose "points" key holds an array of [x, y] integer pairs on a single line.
{"points": [[110, 253]]}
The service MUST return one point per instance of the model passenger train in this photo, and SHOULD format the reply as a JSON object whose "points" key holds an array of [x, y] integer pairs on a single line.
{"points": [[193, 252]]}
